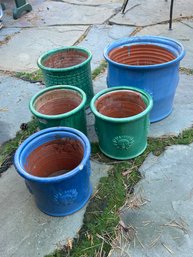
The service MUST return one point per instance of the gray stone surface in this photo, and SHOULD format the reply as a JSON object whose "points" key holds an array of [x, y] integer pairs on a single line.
{"points": [[14, 100], [140, 13], [6, 33], [98, 84], [163, 221], [181, 32], [25, 231], [48, 13], [100, 36], [94, 3], [26, 46], [182, 116]]}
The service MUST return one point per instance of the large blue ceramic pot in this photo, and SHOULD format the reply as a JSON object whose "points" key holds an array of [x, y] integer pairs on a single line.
{"points": [[147, 62], [56, 167]]}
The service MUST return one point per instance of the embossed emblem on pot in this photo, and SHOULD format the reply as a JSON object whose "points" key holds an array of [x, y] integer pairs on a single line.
{"points": [[123, 142], [66, 197]]}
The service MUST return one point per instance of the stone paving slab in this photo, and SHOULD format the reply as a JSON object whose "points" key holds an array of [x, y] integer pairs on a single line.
{"points": [[26, 231], [163, 221], [6, 33], [14, 100], [49, 13], [181, 32], [100, 36], [26, 46], [140, 13], [93, 3], [180, 119]]}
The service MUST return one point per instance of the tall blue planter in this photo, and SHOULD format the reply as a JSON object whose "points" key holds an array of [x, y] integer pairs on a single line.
{"points": [[57, 195], [147, 62]]}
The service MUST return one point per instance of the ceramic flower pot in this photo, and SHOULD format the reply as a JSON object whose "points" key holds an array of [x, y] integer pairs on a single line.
{"points": [[122, 121], [56, 167], [60, 106], [150, 63], [68, 66]]}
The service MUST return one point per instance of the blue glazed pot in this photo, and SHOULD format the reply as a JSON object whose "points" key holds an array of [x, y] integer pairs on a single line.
{"points": [[150, 63], [56, 167]]}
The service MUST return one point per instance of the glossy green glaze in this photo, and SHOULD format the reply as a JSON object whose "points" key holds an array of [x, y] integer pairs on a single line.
{"points": [[75, 118], [78, 75], [122, 138]]}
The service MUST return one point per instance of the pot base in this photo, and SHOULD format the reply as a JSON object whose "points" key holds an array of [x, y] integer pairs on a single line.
{"points": [[123, 158]]}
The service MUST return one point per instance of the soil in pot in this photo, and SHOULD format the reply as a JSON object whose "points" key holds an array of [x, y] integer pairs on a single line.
{"points": [[66, 58], [120, 104], [55, 158], [140, 55], [57, 101]]}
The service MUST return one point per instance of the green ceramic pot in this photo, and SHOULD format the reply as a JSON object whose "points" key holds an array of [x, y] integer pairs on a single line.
{"points": [[68, 66], [60, 106], [122, 121]]}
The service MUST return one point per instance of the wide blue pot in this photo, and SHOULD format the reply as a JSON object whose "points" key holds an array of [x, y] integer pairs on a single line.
{"points": [[146, 62], [56, 167]]}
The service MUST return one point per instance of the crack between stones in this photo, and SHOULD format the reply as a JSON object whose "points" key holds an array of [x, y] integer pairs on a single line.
{"points": [[89, 5], [153, 24]]}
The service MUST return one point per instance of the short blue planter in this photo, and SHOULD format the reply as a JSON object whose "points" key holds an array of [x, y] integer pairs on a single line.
{"points": [[150, 63], [56, 167]]}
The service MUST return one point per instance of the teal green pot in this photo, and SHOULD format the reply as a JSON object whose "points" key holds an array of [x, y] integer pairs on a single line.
{"points": [[68, 66], [60, 106], [122, 121]]}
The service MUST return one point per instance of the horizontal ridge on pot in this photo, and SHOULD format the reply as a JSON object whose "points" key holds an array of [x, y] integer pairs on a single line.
{"points": [[141, 55], [68, 65], [150, 63], [122, 121], [56, 167], [61, 105]]}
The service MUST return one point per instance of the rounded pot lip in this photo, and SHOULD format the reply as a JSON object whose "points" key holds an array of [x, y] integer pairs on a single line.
{"points": [[39, 134], [121, 120], [141, 40], [58, 116], [61, 49]]}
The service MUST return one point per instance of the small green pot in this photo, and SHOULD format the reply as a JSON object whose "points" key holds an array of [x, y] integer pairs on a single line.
{"points": [[60, 106], [122, 121], [68, 66]]}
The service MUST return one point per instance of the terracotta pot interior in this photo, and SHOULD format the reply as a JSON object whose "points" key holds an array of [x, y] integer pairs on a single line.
{"points": [[141, 55], [120, 104], [65, 59], [57, 101], [55, 158]]}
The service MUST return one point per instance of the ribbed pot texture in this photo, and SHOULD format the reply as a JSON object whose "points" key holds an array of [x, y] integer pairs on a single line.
{"points": [[150, 63], [141, 55], [68, 66]]}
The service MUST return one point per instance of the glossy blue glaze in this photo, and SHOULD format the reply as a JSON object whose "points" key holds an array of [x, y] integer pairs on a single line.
{"points": [[159, 80], [60, 195]]}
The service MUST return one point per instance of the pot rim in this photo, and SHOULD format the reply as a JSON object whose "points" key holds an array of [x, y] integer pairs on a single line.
{"points": [[48, 132], [61, 49], [58, 116], [149, 40], [126, 119]]}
